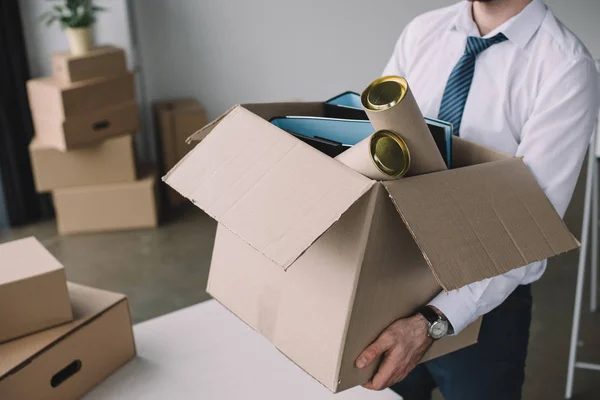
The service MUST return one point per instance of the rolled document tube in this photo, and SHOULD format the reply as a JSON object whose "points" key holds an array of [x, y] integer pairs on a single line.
{"points": [[390, 105], [381, 156]]}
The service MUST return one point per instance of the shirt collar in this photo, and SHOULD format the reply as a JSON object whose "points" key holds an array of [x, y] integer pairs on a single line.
{"points": [[519, 29]]}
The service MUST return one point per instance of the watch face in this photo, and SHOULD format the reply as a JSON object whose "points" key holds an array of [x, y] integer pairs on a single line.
{"points": [[438, 329]]}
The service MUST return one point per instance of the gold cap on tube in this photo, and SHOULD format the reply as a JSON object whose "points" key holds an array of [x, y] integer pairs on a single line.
{"points": [[390, 153], [384, 93]]}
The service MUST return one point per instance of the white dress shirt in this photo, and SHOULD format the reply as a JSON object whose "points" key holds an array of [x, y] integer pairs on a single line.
{"points": [[534, 96]]}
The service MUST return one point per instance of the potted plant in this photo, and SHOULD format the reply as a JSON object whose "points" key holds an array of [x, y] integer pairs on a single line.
{"points": [[77, 17]]}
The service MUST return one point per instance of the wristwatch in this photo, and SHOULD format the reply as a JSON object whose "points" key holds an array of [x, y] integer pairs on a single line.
{"points": [[438, 325]]}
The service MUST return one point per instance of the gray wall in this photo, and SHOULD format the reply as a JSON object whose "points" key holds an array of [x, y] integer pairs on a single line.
{"points": [[234, 51], [42, 41], [227, 52]]}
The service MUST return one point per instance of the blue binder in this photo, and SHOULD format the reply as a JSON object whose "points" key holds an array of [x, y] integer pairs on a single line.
{"points": [[440, 130], [347, 132], [346, 99], [442, 135]]}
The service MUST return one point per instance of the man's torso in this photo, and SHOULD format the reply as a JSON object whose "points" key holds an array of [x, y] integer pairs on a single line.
{"points": [[508, 77]]}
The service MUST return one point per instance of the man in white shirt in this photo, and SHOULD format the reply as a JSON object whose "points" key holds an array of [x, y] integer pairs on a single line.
{"points": [[512, 77]]}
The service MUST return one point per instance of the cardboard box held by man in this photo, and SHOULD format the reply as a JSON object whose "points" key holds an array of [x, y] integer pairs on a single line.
{"points": [[320, 259]]}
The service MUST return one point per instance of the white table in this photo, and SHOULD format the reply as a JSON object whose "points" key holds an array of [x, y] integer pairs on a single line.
{"points": [[205, 352]]}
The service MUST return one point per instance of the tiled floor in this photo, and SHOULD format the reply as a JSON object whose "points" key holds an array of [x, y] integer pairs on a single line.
{"points": [[166, 269]]}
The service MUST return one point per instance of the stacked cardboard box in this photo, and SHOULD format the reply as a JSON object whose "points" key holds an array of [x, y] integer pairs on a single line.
{"points": [[83, 151], [57, 339]]}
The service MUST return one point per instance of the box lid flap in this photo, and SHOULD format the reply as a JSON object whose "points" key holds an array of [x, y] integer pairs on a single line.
{"points": [[275, 192], [87, 304], [480, 221], [268, 111], [205, 130]]}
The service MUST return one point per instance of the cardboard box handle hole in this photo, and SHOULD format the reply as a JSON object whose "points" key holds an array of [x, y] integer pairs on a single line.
{"points": [[65, 373], [98, 126]]}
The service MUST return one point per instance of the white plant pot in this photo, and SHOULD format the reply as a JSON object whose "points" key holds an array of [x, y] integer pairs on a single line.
{"points": [[80, 40]]}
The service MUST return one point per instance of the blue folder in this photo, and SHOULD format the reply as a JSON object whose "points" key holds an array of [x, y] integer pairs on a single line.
{"points": [[347, 132], [346, 99], [440, 130], [442, 135]]}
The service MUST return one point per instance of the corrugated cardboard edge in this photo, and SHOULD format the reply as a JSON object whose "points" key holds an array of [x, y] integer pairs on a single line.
{"points": [[429, 264], [210, 125], [64, 336], [368, 236], [576, 242]]}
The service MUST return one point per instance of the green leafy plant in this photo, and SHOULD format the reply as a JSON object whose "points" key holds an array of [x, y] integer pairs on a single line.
{"points": [[72, 14]]}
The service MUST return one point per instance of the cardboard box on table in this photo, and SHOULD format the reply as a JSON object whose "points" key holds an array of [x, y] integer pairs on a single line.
{"points": [[100, 61], [111, 161], [110, 207], [320, 260], [33, 290], [67, 361], [176, 120], [76, 115]]}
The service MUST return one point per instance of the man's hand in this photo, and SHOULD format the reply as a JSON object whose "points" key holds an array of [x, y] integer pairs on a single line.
{"points": [[402, 345]]}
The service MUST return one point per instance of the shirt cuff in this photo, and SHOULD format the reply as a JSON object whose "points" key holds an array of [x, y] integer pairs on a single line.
{"points": [[458, 306]]}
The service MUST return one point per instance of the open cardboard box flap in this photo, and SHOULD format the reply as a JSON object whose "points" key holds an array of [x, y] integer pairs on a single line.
{"points": [[266, 111], [275, 192], [481, 220]]}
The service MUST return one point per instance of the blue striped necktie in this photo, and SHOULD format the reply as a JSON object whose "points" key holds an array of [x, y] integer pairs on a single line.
{"points": [[459, 83]]}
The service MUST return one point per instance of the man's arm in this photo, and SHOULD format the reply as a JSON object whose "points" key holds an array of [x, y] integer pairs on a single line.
{"points": [[553, 145]]}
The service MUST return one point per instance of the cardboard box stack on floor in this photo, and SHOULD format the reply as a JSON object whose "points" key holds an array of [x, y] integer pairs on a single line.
{"points": [[84, 117], [57, 339], [175, 120], [321, 259]]}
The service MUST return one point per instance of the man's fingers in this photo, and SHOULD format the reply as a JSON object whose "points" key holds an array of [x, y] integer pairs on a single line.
{"points": [[386, 373], [384, 342], [402, 344], [369, 385]]}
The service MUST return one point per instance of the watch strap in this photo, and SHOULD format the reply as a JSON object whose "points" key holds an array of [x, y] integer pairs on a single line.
{"points": [[430, 315]]}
